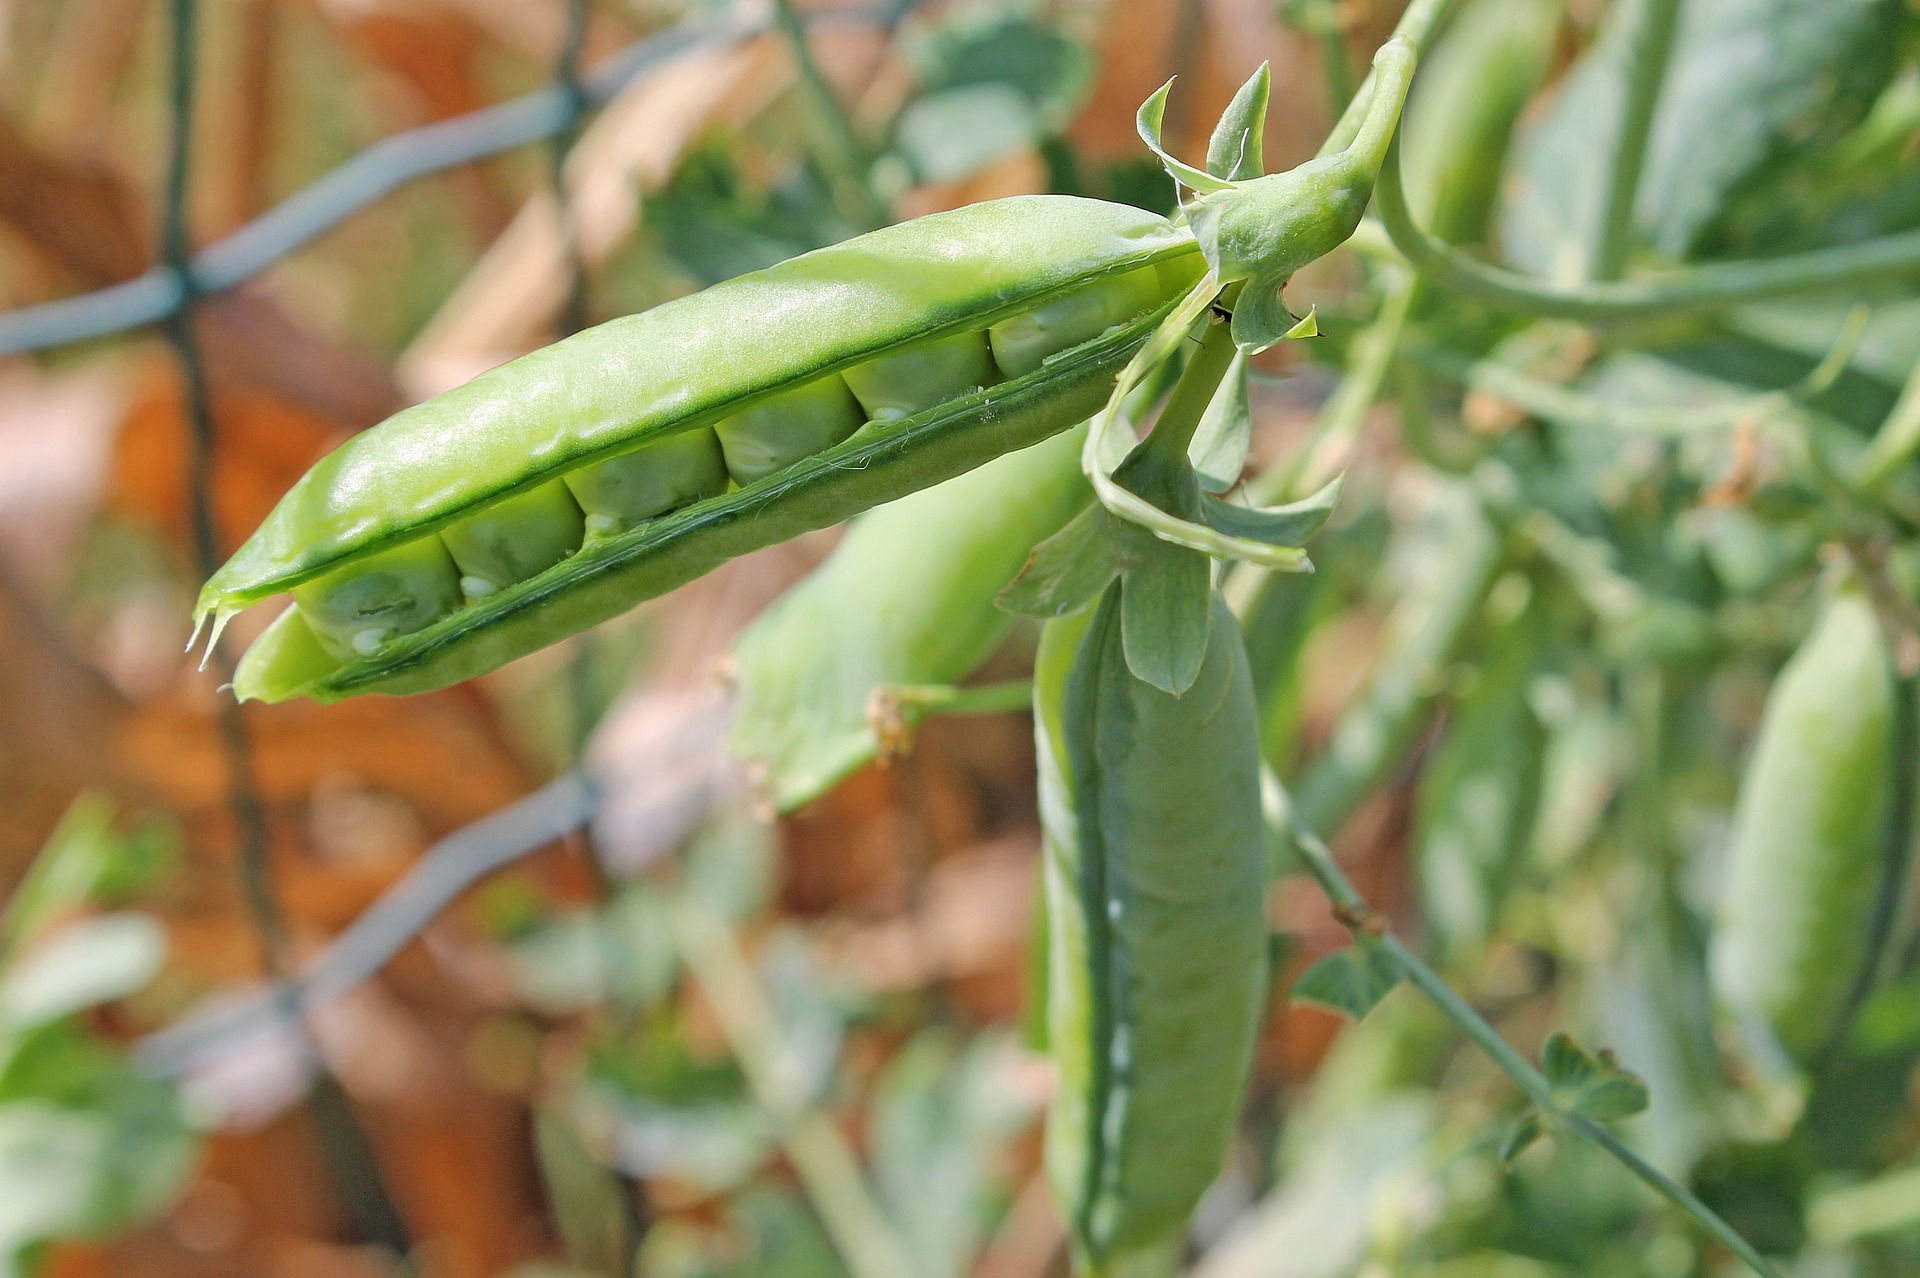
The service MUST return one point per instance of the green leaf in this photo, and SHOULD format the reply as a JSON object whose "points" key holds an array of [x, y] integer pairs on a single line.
{"points": [[1749, 84], [959, 132], [1522, 1138], [1238, 144], [83, 860], [942, 1121], [1350, 981], [1219, 448], [1065, 572], [1591, 1084], [1261, 318], [1165, 608], [84, 964], [1289, 525], [1148, 122]]}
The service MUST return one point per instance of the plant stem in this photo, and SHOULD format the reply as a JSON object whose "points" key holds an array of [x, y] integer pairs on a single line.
{"points": [[1173, 430], [1868, 263], [1648, 45], [1418, 24], [844, 157], [1355, 911], [349, 1156], [1897, 440], [821, 1156], [1341, 417]]}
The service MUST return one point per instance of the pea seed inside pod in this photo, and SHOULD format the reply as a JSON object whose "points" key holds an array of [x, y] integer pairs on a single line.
{"points": [[787, 428], [357, 608], [624, 416], [1023, 342], [927, 373], [651, 480], [514, 539]]}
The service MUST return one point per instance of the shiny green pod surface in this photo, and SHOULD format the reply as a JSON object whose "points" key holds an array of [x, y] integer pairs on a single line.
{"points": [[1155, 877], [730, 354]]}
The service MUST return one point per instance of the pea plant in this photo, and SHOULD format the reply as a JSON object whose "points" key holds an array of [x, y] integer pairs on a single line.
{"points": [[1626, 301]]}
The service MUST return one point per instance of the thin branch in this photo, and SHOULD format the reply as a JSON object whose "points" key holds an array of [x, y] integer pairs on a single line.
{"points": [[822, 1159], [1648, 45], [1866, 264], [362, 181], [350, 1156], [1354, 910]]}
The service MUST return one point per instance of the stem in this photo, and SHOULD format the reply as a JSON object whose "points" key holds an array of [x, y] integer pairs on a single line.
{"points": [[1868, 263], [1341, 417], [1648, 45], [1418, 24], [1358, 914], [1897, 441], [821, 1157], [1173, 430], [942, 698], [349, 1156], [844, 157]]}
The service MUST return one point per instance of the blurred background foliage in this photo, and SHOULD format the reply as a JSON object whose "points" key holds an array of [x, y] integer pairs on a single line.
{"points": [[680, 1040]]}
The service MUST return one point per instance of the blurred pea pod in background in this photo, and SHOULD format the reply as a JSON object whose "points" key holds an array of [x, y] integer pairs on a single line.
{"points": [[906, 599]]}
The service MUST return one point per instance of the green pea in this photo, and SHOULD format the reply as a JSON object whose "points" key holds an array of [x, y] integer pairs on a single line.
{"points": [[1023, 342], [357, 610], [1814, 846], [629, 417], [773, 435], [928, 373], [647, 481], [513, 540], [1155, 878]]}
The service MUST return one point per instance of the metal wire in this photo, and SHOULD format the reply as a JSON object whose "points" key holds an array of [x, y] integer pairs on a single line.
{"points": [[369, 176]]}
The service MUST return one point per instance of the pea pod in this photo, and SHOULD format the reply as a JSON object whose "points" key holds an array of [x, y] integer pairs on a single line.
{"points": [[1157, 938], [1815, 848], [831, 382], [906, 598]]}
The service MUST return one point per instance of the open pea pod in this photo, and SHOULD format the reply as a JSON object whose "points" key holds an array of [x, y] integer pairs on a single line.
{"points": [[558, 490]]}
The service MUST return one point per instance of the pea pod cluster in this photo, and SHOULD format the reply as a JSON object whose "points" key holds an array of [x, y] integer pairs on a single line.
{"points": [[1157, 962], [1817, 849], [562, 488]]}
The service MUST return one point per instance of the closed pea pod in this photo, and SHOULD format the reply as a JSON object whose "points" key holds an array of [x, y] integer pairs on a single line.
{"points": [[1154, 881], [907, 597], [761, 366], [1817, 844]]}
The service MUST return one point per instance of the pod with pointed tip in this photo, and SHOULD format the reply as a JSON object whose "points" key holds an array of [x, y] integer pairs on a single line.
{"points": [[772, 366], [1155, 874], [1817, 842]]}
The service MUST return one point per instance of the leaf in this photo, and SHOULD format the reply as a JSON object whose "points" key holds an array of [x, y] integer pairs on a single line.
{"points": [[1219, 449], [1048, 68], [1238, 144], [959, 132], [1289, 525], [1748, 84], [1261, 318], [86, 963], [1591, 1084], [1148, 122], [1065, 572], [1522, 1138], [84, 859], [1165, 610], [942, 1121], [88, 1146], [1350, 981]]}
